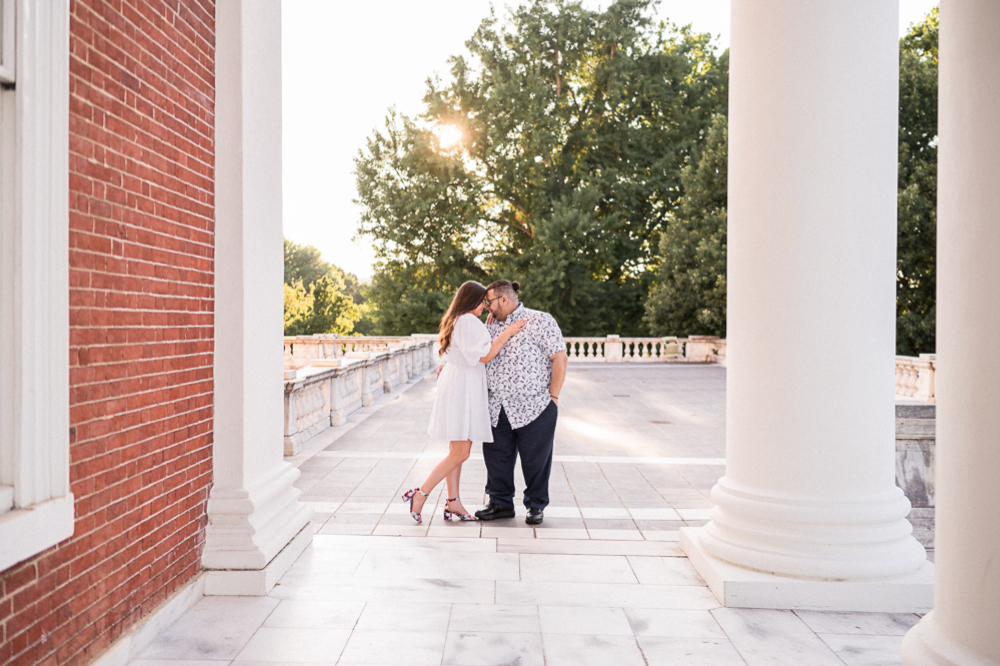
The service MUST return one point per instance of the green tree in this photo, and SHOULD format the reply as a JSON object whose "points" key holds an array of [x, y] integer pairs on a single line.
{"points": [[916, 282], [318, 295], [304, 263], [298, 309], [575, 125], [689, 297], [333, 311]]}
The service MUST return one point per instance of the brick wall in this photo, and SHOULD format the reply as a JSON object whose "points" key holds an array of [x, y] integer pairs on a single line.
{"points": [[141, 315]]}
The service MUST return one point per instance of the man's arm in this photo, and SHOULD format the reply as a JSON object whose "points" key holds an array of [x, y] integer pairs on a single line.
{"points": [[559, 361]]}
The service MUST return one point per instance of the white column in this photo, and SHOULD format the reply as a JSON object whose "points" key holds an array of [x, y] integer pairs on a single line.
{"points": [[257, 526], [809, 499], [964, 627]]}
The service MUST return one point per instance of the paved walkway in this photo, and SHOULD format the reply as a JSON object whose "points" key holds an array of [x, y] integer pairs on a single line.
{"points": [[601, 581]]}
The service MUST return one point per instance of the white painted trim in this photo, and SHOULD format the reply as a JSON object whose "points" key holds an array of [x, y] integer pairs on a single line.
{"points": [[139, 636], [8, 41], [34, 372], [6, 499], [27, 532]]}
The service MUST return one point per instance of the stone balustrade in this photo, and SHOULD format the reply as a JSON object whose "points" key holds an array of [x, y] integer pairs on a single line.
{"points": [[329, 377], [616, 349], [916, 436], [915, 378]]}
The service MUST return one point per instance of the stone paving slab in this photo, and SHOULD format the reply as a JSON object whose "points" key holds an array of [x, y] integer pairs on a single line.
{"points": [[637, 451], [601, 581]]}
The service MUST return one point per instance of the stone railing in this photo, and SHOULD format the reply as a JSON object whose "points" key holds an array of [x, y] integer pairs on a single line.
{"points": [[915, 378], [915, 453], [615, 349], [302, 350], [326, 379]]}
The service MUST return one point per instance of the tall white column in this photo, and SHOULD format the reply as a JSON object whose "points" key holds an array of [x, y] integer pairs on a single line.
{"points": [[257, 526], [964, 627], [809, 500]]}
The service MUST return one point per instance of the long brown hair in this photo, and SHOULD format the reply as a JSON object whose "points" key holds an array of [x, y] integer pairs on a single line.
{"points": [[467, 298]]}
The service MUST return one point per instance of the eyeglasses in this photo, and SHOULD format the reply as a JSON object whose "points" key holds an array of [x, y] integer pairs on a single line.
{"points": [[487, 301]]}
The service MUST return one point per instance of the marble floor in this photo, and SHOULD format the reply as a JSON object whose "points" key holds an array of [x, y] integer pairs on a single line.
{"points": [[601, 581]]}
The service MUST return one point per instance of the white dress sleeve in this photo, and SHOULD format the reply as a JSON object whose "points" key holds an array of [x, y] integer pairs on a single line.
{"points": [[470, 340]]}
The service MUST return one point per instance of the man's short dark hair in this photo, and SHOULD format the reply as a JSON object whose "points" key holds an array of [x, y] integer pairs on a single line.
{"points": [[505, 288]]}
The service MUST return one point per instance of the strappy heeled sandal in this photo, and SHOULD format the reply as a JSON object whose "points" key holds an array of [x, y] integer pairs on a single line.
{"points": [[448, 514], [408, 497]]}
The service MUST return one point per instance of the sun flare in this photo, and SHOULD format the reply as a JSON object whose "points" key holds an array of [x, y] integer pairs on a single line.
{"points": [[448, 136]]}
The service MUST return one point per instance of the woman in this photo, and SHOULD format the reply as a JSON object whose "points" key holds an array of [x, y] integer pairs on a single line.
{"points": [[460, 412]]}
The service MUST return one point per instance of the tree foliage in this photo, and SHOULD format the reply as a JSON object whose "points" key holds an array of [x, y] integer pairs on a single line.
{"points": [[917, 199], [689, 297], [575, 127], [298, 308], [304, 264], [318, 295]]}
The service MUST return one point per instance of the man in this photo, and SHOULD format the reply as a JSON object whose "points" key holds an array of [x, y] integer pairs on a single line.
{"points": [[524, 381]]}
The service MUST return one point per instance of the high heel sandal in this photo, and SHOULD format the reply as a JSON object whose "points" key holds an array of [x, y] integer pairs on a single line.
{"points": [[408, 497], [448, 514]]}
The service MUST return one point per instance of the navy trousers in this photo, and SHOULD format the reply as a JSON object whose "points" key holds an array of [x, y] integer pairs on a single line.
{"points": [[533, 443]]}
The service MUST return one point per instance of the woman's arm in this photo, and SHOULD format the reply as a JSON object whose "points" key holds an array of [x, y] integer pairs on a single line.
{"points": [[502, 340]]}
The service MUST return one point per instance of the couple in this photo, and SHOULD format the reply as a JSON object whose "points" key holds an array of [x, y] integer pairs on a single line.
{"points": [[499, 384]]}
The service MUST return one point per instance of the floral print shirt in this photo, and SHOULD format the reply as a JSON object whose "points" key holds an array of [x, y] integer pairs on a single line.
{"points": [[519, 376]]}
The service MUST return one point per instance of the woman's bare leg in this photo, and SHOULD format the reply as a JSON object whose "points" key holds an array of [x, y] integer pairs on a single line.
{"points": [[454, 479], [458, 453]]}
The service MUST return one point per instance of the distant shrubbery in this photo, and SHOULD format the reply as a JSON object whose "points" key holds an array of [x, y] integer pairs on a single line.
{"points": [[321, 298]]}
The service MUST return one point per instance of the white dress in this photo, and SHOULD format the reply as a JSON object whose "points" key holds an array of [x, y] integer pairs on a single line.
{"points": [[461, 404]]}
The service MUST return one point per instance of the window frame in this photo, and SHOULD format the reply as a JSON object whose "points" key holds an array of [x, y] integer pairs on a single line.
{"points": [[34, 279], [8, 41]]}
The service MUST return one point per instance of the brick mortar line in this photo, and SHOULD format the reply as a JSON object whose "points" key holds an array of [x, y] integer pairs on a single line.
{"points": [[141, 132], [137, 67], [92, 234], [140, 195], [187, 42], [196, 133], [144, 132], [178, 142], [137, 461], [179, 502], [83, 461]]}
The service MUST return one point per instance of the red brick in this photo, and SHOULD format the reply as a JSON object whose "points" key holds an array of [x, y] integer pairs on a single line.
{"points": [[141, 285]]}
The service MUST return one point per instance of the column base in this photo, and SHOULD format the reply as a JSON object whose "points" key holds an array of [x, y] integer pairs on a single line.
{"points": [[926, 645], [258, 582], [736, 587]]}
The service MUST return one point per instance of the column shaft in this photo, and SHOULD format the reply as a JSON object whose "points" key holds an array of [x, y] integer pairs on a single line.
{"points": [[253, 508], [962, 628], [809, 488]]}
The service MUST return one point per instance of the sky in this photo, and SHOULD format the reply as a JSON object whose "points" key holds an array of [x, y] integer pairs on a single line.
{"points": [[345, 63]]}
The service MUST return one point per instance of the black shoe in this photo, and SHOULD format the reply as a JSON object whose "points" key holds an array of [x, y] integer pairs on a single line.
{"points": [[535, 516], [494, 511]]}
